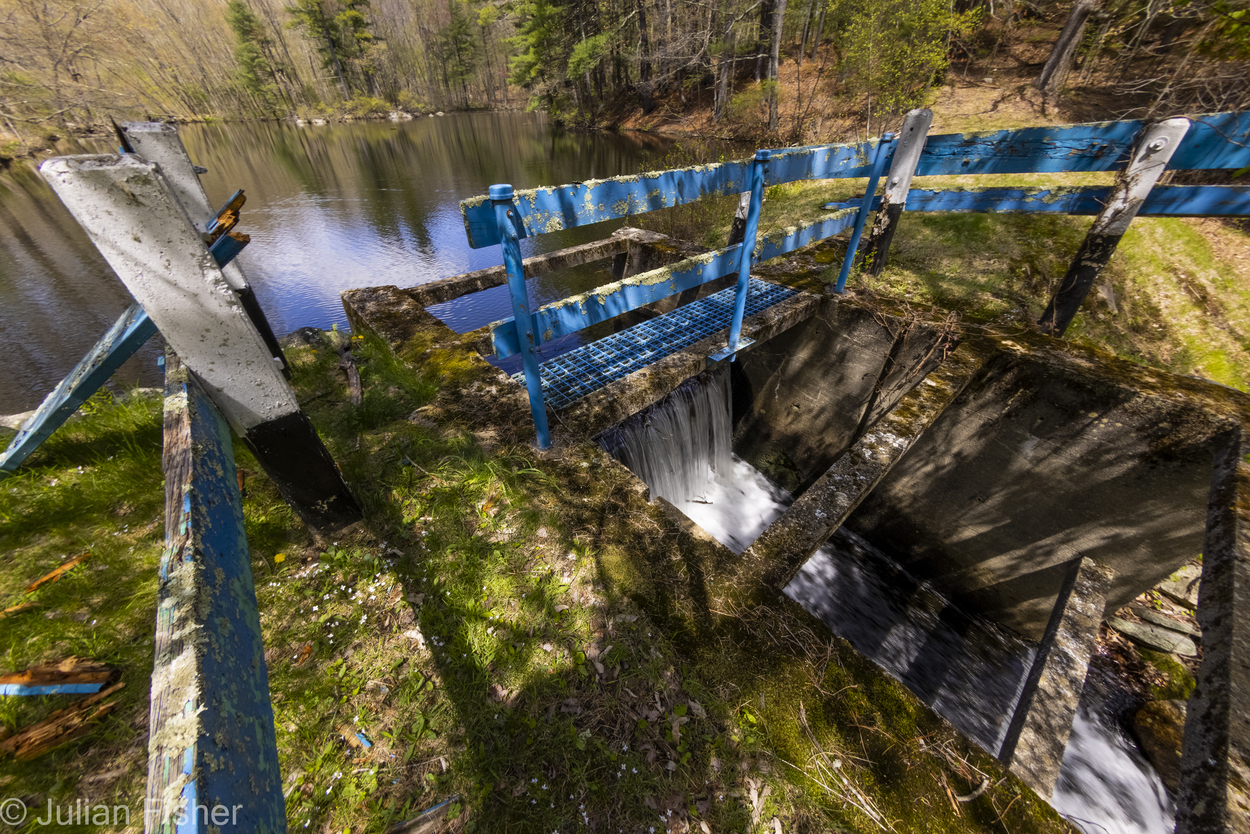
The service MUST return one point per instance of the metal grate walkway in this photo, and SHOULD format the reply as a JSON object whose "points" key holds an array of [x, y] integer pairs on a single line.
{"points": [[570, 376]]}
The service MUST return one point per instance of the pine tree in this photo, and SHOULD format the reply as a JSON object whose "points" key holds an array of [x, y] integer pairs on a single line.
{"points": [[255, 73]]}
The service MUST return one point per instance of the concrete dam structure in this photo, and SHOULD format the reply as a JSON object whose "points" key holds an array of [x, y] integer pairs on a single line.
{"points": [[1032, 482]]}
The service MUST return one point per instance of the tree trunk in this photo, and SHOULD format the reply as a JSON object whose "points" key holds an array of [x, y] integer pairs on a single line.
{"points": [[1060, 62], [761, 44], [820, 31], [338, 68], [644, 60], [807, 27], [774, 66], [725, 71]]}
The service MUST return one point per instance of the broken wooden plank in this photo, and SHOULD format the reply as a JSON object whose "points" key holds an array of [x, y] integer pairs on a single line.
{"points": [[129, 211], [60, 570], [61, 726], [71, 676]]}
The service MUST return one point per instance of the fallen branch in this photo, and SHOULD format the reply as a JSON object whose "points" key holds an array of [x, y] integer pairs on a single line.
{"points": [[17, 609], [56, 574]]}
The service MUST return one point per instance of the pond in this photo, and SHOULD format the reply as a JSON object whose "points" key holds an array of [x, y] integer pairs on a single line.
{"points": [[329, 208]]}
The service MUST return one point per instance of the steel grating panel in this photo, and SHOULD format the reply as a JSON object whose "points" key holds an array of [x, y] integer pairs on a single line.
{"points": [[570, 376]]}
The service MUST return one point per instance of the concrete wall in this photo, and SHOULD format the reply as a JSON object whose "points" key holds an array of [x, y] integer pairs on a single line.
{"points": [[1043, 460], [802, 399]]}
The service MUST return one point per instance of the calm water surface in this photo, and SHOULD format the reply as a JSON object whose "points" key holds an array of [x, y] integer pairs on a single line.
{"points": [[329, 208]]}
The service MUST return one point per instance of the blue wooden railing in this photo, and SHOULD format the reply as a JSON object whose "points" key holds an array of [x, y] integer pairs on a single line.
{"points": [[212, 750], [505, 215]]}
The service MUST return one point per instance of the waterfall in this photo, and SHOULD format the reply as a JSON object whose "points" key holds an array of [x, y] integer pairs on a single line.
{"points": [[680, 444], [967, 669], [681, 448]]}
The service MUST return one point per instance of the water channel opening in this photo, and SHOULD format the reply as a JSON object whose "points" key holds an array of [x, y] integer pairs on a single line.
{"points": [[967, 668]]}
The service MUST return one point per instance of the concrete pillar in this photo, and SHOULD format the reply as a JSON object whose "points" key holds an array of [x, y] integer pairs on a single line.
{"points": [[1214, 794], [777, 555], [1039, 730], [129, 211]]}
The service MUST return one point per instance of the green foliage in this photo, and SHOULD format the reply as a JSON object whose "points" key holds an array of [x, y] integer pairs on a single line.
{"points": [[457, 48], [363, 107], [341, 32], [542, 50], [588, 53], [895, 50], [1229, 38], [255, 73]]}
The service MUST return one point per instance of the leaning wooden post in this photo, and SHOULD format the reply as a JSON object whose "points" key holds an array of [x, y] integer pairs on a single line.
{"points": [[738, 231], [883, 150], [898, 182], [158, 142], [212, 753], [129, 211], [506, 217], [1150, 155]]}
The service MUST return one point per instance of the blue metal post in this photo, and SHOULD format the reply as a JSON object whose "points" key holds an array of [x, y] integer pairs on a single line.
{"points": [[506, 218], [883, 152], [758, 169]]}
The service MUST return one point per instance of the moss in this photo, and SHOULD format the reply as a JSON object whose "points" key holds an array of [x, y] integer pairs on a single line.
{"points": [[1180, 683]]}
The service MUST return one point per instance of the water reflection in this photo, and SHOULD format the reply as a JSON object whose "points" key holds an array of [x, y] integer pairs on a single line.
{"points": [[329, 208]]}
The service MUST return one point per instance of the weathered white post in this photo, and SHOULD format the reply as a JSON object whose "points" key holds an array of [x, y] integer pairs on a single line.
{"points": [[911, 142], [1150, 156], [128, 209], [158, 142]]}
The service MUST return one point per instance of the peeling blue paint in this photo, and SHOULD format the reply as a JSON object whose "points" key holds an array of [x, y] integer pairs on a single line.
{"points": [[212, 741], [126, 336], [50, 689], [1163, 201]]}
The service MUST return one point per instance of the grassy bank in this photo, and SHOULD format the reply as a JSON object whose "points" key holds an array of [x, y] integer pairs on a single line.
{"points": [[507, 628], [1175, 296]]}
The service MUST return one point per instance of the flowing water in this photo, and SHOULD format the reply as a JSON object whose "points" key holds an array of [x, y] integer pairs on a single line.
{"points": [[967, 669], [328, 208]]}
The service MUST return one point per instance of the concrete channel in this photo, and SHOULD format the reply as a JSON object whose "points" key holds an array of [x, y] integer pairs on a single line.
{"points": [[1039, 484]]}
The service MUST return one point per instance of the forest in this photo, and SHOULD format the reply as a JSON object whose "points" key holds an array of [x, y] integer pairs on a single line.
{"points": [[69, 65]]}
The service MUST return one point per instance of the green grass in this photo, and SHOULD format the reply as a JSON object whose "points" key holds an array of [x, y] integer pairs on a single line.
{"points": [[505, 628], [95, 487], [1175, 296]]}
